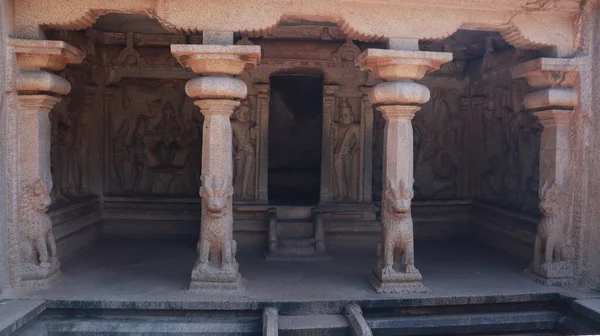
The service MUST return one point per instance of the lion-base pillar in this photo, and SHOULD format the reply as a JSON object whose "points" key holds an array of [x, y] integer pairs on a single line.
{"points": [[218, 93], [39, 90], [553, 103], [397, 99]]}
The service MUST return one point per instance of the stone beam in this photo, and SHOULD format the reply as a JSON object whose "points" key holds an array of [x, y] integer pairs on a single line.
{"points": [[217, 93], [553, 103], [38, 92], [397, 99]]}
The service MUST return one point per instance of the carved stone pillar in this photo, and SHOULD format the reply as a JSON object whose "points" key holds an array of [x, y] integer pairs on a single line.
{"points": [[553, 103], [326, 147], [218, 93], [397, 100], [263, 146], [38, 91]]}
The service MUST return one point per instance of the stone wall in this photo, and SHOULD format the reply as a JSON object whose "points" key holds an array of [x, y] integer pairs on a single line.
{"points": [[504, 137], [5, 13], [588, 178]]}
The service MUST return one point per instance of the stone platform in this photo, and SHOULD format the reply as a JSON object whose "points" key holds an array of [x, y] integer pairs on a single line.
{"points": [[115, 273]]}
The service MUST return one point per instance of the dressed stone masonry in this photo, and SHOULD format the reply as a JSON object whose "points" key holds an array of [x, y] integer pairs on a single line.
{"points": [[218, 93], [397, 99], [553, 103], [38, 91]]}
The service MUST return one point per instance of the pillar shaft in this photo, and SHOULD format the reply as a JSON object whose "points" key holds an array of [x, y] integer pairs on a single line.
{"points": [[552, 103], [38, 92], [218, 93], [397, 99]]}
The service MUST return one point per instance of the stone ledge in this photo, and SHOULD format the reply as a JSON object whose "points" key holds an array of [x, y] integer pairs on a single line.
{"points": [[14, 314]]}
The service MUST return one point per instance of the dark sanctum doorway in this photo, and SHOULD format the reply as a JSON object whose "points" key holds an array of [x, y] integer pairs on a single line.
{"points": [[295, 132]]}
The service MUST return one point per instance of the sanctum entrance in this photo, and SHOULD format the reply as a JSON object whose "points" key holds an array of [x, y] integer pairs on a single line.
{"points": [[295, 123]]}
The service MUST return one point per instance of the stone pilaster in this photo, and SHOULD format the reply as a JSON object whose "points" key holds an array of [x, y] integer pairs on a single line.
{"points": [[397, 99], [326, 146], [218, 93], [38, 92], [263, 147], [367, 126], [553, 103]]}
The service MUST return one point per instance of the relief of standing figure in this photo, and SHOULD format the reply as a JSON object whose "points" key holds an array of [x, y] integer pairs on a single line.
{"points": [[244, 133], [346, 140]]}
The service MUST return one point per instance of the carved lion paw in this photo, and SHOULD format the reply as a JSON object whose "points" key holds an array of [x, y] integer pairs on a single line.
{"points": [[228, 267], [388, 270], [410, 269], [545, 266]]}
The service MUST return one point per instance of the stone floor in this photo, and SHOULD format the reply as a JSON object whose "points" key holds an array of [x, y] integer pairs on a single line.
{"points": [[157, 273]]}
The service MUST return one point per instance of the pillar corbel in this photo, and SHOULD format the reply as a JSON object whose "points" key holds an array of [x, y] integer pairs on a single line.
{"points": [[398, 99], [38, 90], [217, 93], [553, 103]]}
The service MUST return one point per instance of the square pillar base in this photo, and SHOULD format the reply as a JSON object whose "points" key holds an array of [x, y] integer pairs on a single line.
{"points": [[558, 273], [397, 283], [213, 279]]}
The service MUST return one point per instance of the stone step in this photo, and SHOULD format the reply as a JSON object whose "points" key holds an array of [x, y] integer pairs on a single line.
{"points": [[151, 326], [295, 228], [305, 325], [297, 243]]}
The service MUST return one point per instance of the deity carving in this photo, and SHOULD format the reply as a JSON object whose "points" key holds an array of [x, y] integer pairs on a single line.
{"points": [[70, 144], [156, 130], [244, 133], [551, 244], [511, 148], [216, 246], [346, 152], [37, 245]]}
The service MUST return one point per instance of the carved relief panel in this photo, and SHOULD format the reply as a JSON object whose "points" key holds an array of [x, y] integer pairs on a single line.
{"points": [[70, 140], [246, 150], [439, 130], [155, 139], [508, 142]]}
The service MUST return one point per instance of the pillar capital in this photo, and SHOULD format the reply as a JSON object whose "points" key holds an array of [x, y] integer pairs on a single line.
{"points": [[408, 93], [547, 72], [37, 103], [212, 87], [45, 55], [556, 96], [211, 107], [398, 112], [553, 117], [394, 65], [218, 60]]}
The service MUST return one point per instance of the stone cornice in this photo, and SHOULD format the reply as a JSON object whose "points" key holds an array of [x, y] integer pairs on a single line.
{"points": [[523, 23]]}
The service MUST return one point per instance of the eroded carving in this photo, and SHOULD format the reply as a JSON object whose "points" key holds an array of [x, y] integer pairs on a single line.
{"points": [[70, 140], [156, 140], [553, 251], [38, 245], [245, 132], [396, 253], [395, 271], [346, 142]]}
